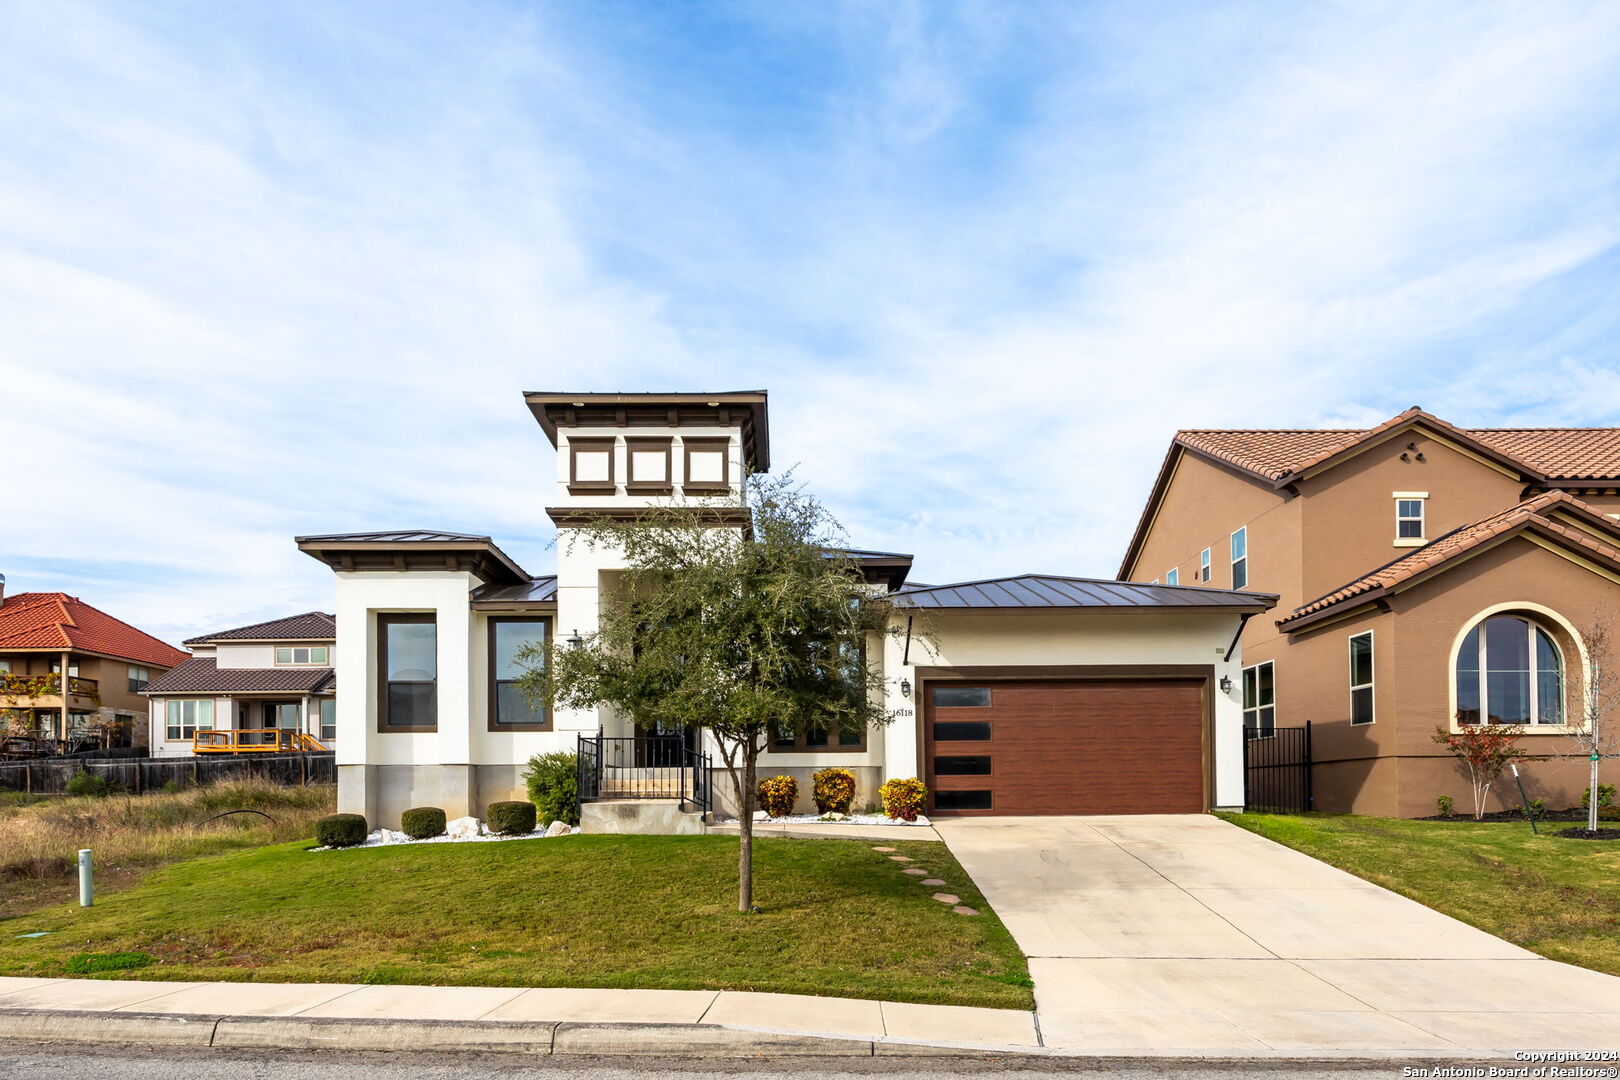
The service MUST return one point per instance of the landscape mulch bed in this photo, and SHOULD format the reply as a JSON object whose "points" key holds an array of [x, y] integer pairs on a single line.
{"points": [[1583, 834], [1577, 814]]}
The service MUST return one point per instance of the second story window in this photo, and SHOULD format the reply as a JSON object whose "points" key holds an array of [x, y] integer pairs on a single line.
{"points": [[1172, 576], [1240, 558], [707, 465], [138, 678], [1409, 523], [590, 465], [298, 654], [408, 662], [1203, 566], [649, 464]]}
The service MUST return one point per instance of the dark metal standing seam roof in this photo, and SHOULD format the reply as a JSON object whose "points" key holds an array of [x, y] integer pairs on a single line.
{"points": [[410, 536], [1038, 591], [540, 590]]}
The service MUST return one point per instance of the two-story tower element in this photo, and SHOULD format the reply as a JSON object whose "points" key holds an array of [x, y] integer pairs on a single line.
{"points": [[1430, 577]]}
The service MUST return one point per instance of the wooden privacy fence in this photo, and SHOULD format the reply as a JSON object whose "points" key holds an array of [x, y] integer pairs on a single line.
{"points": [[50, 776]]}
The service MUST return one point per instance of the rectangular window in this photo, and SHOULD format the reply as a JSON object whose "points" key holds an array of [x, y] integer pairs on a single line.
{"points": [[962, 800], [649, 462], [1361, 678], [1240, 558], [408, 663], [961, 731], [296, 655], [182, 719], [1172, 577], [962, 697], [1409, 519], [56, 669], [328, 719], [590, 465], [5, 667], [816, 739], [138, 678], [509, 706], [1203, 566], [707, 464], [1260, 700], [962, 766]]}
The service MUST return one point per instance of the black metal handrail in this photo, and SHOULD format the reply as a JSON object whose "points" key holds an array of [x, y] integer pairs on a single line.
{"points": [[644, 767]]}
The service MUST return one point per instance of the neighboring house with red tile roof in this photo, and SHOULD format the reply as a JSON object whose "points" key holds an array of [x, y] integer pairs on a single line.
{"points": [[1430, 576], [107, 661], [256, 679]]}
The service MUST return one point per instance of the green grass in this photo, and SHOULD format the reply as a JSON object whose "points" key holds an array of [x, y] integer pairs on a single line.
{"points": [[1554, 896], [592, 911]]}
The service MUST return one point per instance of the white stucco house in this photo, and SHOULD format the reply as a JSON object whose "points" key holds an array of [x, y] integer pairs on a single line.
{"points": [[1038, 694]]}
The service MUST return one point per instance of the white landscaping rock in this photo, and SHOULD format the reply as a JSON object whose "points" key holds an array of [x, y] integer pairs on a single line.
{"points": [[559, 828], [465, 828]]}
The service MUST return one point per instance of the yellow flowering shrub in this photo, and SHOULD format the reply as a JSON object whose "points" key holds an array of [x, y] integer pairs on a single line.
{"points": [[834, 790], [777, 794], [903, 797]]}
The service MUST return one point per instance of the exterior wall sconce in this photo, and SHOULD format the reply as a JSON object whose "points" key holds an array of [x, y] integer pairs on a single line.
{"points": [[1226, 684], [905, 687], [574, 640]]}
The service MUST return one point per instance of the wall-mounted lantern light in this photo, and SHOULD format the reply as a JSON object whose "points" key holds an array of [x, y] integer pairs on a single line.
{"points": [[574, 640], [905, 687], [1226, 684]]}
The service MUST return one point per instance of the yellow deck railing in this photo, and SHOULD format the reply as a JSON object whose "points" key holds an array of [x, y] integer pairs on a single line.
{"points": [[254, 741]]}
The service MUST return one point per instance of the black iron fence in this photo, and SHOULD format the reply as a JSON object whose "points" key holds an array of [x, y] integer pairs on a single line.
{"points": [[1277, 770], [50, 776], [645, 767]]}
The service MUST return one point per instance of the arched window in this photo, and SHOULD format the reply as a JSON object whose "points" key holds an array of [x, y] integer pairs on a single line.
{"points": [[1512, 666]]}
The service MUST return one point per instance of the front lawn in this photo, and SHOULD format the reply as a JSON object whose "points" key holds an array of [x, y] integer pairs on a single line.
{"points": [[1554, 896], [839, 919]]}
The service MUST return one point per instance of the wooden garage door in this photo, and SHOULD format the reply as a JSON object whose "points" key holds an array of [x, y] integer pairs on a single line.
{"points": [[1116, 746]]}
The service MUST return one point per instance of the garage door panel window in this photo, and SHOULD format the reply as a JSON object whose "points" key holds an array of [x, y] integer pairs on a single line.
{"points": [[1260, 700], [962, 765], [962, 697], [963, 800], [1513, 667], [961, 731]]}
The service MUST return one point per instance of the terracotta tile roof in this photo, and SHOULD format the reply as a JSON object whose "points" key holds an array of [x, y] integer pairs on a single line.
{"points": [[1468, 537], [1556, 454], [53, 620], [309, 626], [199, 675]]}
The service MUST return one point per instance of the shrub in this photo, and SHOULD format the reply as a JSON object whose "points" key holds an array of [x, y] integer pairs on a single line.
{"points": [[833, 789], [422, 822], [1538, 808], [903, 798], [1445, 803], [1605, 796], [88, 783], [777, 794], [511, 818], [553, 782], [1609, 813], [341, 830]]}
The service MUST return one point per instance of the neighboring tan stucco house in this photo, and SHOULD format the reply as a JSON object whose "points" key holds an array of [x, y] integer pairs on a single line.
{"points": [[1429, 577], [255, 681], [1035, 694]]}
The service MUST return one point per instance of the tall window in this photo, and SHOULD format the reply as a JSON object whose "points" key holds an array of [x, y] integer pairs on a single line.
{"points": [[409, 663], [138, 678], [1203, 566], [509, 706], [1260, 700], [299, 654], [1512, 666], [1240, 558], [328, 719], [1361, 678], [182, 719], [1409, 519], [1172, 576]]}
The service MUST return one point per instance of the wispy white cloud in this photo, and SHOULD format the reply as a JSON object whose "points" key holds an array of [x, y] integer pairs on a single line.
{"points": [[263, 274]]}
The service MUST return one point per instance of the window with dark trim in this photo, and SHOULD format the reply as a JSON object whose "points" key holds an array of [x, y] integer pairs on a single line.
{"points": [[138, 678], [648, 464], [408, 673], [1361, 678], [816, 740], [590, 466], [961, 697], [1260, 700], [706, 465], [509, 707]]}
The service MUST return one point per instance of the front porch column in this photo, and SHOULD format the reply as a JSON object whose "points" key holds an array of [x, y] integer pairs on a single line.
{"points": [[63, 686]]}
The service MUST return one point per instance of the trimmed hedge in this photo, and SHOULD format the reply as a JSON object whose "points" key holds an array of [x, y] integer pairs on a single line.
{"points": [[834, 790], [903, 798], [511, 818], [341, 830], [777, 794], [553, 782], [422, 822]]}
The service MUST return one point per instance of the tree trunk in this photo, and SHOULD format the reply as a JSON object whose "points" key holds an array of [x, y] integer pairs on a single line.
{"points": [[1592, 793], [745, 830]]}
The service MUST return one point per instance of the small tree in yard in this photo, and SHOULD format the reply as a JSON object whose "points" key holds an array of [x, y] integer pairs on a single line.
{"points": [[1597, 737], [740, 633], [1484, 750]]}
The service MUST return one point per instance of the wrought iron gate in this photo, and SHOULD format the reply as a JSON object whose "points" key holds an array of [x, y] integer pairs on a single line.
{"points": [[1277, 770]]}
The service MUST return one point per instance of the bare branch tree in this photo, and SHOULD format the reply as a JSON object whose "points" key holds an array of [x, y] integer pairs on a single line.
{"points": [[1598, 735]]}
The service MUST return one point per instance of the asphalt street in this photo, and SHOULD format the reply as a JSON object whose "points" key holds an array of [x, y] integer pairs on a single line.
{"points": [[36, 1061]]}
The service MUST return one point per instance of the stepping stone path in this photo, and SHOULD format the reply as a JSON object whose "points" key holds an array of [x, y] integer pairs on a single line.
{"points": [[902, 858], [947, 898], [915, 870], [931, 881], [963, 909], [883, 849]]}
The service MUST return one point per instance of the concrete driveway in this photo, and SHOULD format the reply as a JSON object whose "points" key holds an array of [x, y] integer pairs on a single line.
{"points": [[1186, 933]]}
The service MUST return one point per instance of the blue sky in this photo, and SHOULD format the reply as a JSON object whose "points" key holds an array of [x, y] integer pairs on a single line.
{"points": [[274, 269]]}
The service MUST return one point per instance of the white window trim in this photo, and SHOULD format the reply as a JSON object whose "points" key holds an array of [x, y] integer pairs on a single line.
{"points": [[1532, 628], [182, 726], [311, 662], [1419, 497], [1272, 664], [1372, 682], [1551, 617], [1203, 567], [1172, 576], [1244, 559]]}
